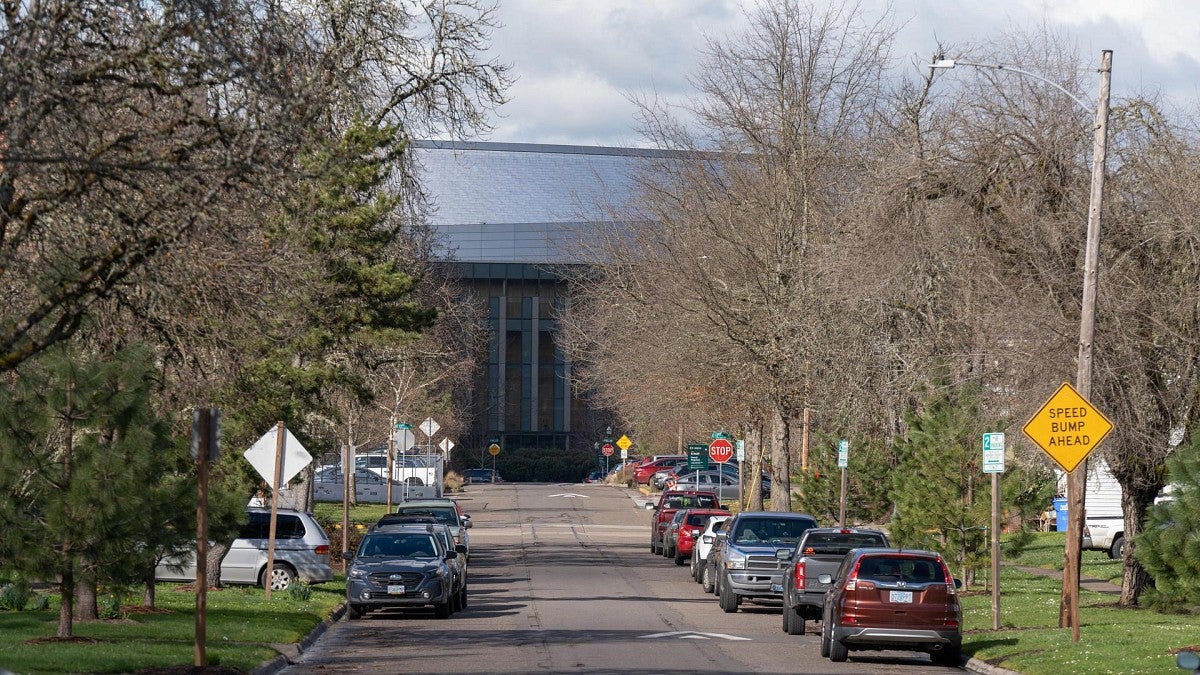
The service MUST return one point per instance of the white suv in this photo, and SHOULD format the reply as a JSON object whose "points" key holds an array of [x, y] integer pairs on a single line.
{"points": [[301, 551]]}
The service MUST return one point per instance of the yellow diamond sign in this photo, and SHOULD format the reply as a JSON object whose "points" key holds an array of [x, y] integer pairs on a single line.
{"points": [[1067, 427], [623, 442]]}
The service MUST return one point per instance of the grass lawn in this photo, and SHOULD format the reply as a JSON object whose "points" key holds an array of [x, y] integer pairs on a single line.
{"points": [[1112, 640], [241, 626]]}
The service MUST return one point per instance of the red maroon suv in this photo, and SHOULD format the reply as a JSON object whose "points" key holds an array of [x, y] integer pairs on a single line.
{"points": [[670, 502], [887, 598]]}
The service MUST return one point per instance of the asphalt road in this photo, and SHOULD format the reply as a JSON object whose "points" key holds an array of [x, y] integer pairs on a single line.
{"points": [[561, 579]]}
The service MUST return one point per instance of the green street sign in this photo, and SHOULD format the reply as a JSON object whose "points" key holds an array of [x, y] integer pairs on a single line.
{"points": [[403, 425], [721, 434], [697, 457]]}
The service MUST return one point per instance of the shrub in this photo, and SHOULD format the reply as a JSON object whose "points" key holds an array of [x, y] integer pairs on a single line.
{"points": [[14, 596], [299, 591]]}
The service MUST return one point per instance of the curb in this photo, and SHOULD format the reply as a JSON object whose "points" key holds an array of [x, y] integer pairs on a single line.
{"points": [[974, 665], [282, 661]]}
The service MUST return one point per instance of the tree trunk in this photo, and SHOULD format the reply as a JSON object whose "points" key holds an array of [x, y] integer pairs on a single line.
{"points": [[753, 468], [148, 598], [781, 475], [1134, 578], [85, 608], [66, 591], [303, 491], [216, 553]]}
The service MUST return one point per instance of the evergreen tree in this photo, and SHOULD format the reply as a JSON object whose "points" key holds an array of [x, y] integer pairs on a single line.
{"points": [[78, 450], [1168, 547], [943, 502]]}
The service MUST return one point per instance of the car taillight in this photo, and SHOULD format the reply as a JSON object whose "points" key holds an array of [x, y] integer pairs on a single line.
{"points": [[798, 576], [323, 549], [950, 589]]}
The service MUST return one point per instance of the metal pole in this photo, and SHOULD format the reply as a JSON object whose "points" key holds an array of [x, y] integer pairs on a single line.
{"points": [[1077, 479], [995, 551], [391, 459], [842, 505]]}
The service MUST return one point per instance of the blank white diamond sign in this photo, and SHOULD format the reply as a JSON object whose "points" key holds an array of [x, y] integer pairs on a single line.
{"points": [[261, 456]]}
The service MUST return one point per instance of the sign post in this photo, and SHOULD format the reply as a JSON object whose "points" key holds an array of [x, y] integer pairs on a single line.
{"points": [[206, 447], [993, 463], [278, 457], [624, 443], [493, 450], [843, 463], [1068, 427]]}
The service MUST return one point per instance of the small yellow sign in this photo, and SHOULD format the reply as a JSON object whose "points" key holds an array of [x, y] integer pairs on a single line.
{"points": [[1067, 427], [494, 449], [623, 442]]}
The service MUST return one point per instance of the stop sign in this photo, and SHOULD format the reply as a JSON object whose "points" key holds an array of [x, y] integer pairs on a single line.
{"points": [[720, 450], [607, 449]]}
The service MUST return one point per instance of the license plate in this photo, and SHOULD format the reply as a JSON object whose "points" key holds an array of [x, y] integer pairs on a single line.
{"points": [[398, 589], [900, 596], [776, 588]]}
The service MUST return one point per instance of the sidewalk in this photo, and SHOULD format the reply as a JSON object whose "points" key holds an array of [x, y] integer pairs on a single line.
{"points": [[1085, 583]]}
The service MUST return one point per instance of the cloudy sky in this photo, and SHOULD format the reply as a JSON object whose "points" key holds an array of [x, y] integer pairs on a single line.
{"points": [[578, 61]]}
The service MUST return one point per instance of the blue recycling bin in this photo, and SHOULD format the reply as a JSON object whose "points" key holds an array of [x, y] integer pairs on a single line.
{"points": [[1060, 514]]}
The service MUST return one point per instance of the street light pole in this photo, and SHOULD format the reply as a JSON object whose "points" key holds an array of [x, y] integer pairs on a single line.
{"points": [[1077, 479]]}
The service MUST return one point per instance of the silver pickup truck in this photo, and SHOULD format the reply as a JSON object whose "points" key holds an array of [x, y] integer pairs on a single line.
{"points": [[820, 551]]}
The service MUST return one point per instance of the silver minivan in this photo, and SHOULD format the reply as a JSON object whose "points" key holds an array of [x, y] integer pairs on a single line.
{"points": [[301, 552]]}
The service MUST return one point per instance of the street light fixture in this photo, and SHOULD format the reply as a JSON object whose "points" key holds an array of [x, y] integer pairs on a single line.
{"points": [[1077, 479]]}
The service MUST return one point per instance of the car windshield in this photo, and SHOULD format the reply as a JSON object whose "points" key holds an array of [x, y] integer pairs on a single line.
{"points": [[446, 515], [771, 531], [689, 501], [840, 543], [397, 545]]}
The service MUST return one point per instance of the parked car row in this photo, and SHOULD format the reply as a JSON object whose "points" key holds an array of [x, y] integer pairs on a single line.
{"points": [[865, 594], [414, 557]]}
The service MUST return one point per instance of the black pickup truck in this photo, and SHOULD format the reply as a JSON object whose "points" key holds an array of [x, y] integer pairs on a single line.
{"points": [[819, 551]]}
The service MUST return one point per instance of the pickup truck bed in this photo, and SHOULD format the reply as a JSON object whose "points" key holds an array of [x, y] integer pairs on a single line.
{"points": [[819, 551]]}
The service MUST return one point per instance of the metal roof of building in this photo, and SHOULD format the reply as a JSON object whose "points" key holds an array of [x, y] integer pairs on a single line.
{"points": [[526, 203]]}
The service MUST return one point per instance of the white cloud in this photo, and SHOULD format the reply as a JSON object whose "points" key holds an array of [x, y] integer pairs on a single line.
{"points": [[577, 60]]}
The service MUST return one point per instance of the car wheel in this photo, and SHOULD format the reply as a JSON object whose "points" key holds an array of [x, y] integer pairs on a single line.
{"points": [[680, 560], [462, 598], [947, 657], [669, 552], [442, 610], [837, 650], [282, 577], [793, 621], [706, 581], [825, 640], [454, 603], [1117, 550], [728, 600], [355, 612]]}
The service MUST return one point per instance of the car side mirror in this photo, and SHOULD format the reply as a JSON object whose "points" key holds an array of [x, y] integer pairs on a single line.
{"points": [[721, 536], [725, 506], [825, 578], [466, 522], [461, 548], [451, 555], [958, 583], [708, 539], [783, 554]]}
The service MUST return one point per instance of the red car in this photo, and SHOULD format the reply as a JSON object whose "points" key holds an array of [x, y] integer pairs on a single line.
{"points": [[643, 472], [689, 528], [670, 502], [886, 598]]}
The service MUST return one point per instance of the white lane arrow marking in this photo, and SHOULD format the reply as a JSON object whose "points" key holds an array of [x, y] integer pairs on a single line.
{"points": [[569, 494], [693, 635]]}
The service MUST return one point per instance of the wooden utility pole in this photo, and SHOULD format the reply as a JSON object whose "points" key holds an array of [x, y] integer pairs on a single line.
{"points": [[1077, 479], [205, 434], [276, 479]]}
